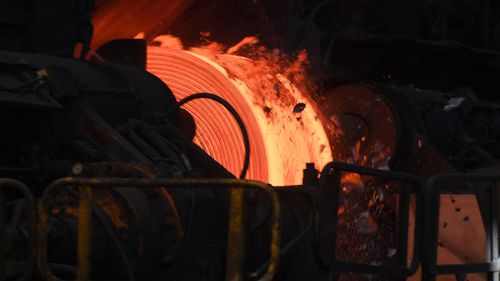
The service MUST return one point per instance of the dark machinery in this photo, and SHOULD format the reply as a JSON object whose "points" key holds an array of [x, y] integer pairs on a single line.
{"points": [[114, 131], [99, 120], [422, 131], [100, 178]]}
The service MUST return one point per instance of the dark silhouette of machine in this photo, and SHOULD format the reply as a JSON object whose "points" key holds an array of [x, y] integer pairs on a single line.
{"points": [[100, 178]]}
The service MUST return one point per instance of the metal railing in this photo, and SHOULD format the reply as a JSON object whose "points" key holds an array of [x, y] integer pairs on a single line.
{"points": [[423, 251], [489, 212], [84, 219], [26, 193], [330, 191]]}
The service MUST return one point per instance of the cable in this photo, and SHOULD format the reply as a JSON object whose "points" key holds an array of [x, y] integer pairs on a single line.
{"points": [[329, 50], [310, 19], [185, 241], [156, 146], [288, 247], [64, 269], [119, 248], [389, 20], [116, 243], [246, 162], [246, 142], [319, 7], [233, 112]]}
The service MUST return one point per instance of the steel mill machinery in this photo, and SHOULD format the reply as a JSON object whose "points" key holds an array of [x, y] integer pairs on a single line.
{"points": [[142, 159]]}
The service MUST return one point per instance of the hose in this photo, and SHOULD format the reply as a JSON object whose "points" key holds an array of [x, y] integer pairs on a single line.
{"points": [[233, 112], [389, 20], [312, 15], [256, 275], [63, 269]]}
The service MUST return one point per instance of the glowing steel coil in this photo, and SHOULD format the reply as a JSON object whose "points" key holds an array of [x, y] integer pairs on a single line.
{"points": [[279, 150]]}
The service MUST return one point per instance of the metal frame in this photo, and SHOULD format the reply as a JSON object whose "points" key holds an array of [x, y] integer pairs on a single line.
{"points": [[431, 215], [332, 180], [84, 216], [26, 192]]}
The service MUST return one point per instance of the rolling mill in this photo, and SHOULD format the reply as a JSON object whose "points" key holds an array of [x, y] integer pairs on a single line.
{"points": [[249, 140]]}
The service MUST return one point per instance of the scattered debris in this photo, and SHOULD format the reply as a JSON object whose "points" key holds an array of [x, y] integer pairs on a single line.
{"points": [[453, 103], [391, 252], [205, 33], [366, 223], [267, 109], [299, 107], [322, 148]]}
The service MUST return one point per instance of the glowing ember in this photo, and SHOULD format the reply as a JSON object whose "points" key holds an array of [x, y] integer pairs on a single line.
{"points": [[265, 87], [350, 181]]}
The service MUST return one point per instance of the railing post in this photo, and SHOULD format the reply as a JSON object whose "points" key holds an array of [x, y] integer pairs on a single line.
{"points": [[84, 237], [3, 254], [235, 254], [235, 237]]}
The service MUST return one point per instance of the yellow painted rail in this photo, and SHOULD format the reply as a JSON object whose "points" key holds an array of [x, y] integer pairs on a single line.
{"points": [[235, 249], [24, 190]]}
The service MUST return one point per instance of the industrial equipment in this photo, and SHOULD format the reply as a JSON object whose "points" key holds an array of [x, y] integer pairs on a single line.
{"points": [[147, 160]]}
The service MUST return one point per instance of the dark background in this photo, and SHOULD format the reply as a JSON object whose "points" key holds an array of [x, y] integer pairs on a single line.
{"points": [[436, 44]]}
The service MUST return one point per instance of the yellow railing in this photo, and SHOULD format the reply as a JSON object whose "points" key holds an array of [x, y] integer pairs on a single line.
{"points": [[26, 193], [235, 251]]}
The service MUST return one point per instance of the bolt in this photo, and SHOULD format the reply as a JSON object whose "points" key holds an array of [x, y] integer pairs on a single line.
{"points": [[77, 169]]}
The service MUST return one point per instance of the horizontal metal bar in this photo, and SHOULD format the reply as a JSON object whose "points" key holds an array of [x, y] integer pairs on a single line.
{"points": [[102, 183], [397, 176], [468, 268], [486, 177], [393, 271]]}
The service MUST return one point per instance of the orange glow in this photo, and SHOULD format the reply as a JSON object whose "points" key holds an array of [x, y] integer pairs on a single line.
{"points": [[107, 205], [264, 88], [352, 179]]}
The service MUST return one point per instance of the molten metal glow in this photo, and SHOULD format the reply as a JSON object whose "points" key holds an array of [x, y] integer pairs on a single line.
{"points": [[284, 129]]}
